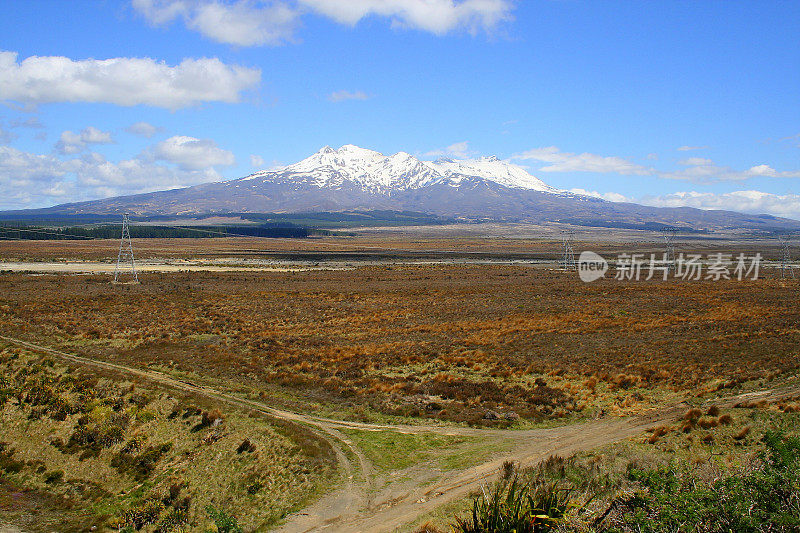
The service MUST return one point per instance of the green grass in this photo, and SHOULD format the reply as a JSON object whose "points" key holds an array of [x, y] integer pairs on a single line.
{"points": [[390, 450]]}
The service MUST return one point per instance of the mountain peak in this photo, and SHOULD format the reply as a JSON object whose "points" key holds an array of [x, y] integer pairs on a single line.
{"points": [[357, 151], [376, 173]]}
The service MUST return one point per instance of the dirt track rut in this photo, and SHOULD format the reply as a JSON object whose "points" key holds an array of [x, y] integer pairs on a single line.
{"points": [[351, 508]]}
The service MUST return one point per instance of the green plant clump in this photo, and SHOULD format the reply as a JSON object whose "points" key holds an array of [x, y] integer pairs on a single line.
{"points": [[224, 522], [764, 498]]}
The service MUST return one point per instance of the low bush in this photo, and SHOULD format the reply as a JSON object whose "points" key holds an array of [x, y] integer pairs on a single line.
{"points": [[762, 498], [139, 466], [56, 476], [224, 522]]}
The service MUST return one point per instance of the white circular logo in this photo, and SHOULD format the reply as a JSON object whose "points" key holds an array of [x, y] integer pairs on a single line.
{"points": [[591, 266]]}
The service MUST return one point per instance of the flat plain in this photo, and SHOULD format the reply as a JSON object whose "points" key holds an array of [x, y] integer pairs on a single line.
{"points": [[471, 339]]}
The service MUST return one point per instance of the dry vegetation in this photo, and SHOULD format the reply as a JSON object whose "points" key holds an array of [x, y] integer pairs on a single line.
{"points": [[478, 344], [79, 452]]}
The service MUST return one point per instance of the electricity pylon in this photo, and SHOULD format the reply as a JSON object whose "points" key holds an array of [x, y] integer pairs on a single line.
{"points": [[125, 257], [568, 262], [669, 252], [786, 259]]}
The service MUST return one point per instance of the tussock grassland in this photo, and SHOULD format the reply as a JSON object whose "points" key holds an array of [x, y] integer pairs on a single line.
{"points": [[78, 450], [485, 345]]}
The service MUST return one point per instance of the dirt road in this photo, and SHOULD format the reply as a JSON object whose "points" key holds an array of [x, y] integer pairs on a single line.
{"points": [[353, 507]]}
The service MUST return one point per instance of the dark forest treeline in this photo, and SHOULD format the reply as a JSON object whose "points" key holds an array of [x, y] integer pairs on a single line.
{"points": [[114, 231]]}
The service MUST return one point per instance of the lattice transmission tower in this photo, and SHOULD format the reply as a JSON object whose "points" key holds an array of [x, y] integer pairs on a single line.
{"points": [[568, 261], [125, 260], [786, 259], [669, 248]]}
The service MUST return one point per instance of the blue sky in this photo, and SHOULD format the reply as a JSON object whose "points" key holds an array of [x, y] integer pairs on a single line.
{"points": [[667, 103]]}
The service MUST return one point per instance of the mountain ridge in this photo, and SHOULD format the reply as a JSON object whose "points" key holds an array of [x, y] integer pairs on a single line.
{"points": [[381, 174], [357, 179]]}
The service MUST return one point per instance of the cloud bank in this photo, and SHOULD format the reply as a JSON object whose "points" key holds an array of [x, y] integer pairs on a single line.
{"points": [[754, 202], [273, 23], [748, 201], [586, 162], [39, 180], [696, 169], [122, 81]]}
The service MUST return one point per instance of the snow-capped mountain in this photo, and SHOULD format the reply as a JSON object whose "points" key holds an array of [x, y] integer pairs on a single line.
{"points": [[357, 179], [376, 173]]}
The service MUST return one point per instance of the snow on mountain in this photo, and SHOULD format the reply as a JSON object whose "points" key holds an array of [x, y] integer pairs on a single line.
{"points": [[376, 173], [493, 169]]}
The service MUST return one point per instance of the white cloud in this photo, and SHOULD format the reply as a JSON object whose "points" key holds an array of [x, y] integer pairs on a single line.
{"points": [[610, 196], [191, 154], [689, 148], [75, 143], [142, 129], [340, 96], [701, 170], [458, 150], [652, 156], [38, 180], [569, 162], [698, 169], [242, 23], [256, 161], [122, 81], [274, 22], [754, 202], [435, 16]]}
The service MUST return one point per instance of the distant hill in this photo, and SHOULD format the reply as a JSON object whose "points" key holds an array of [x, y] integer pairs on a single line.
{"points": [[357, 179]]}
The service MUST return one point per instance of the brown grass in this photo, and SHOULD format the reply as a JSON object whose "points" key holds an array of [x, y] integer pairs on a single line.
{"points": [[468, 338]]}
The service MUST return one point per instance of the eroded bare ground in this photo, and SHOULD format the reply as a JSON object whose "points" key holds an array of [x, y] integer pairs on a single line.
{"points": [[354, 506]]}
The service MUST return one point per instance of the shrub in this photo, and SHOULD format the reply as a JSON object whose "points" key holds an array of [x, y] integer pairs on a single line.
{"points": [[211, 418], [147, 512], [56, 476], [8, 463], [246, 446], [514, 507], [761, 499], [139, 466], [224, 522], [693, 414], [172, 520]]}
